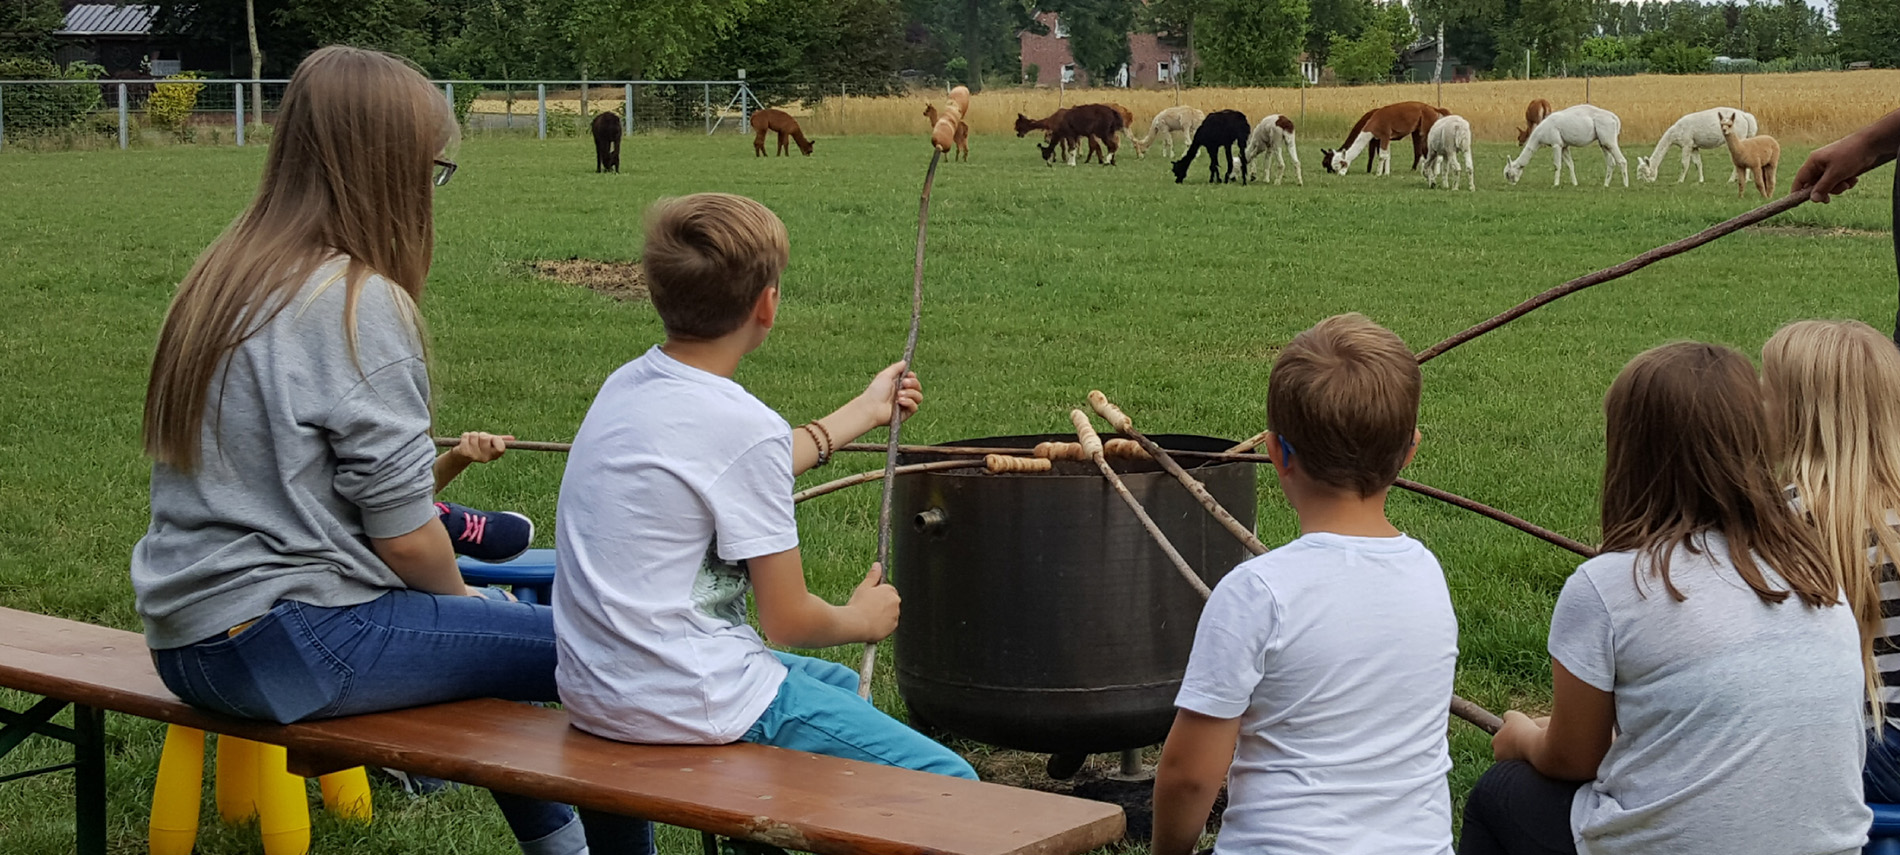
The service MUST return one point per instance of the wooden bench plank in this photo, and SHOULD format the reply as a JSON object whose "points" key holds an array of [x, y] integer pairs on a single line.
{"points": [[791, 799]]}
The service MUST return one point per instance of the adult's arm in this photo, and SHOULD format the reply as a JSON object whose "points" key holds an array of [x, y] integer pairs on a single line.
{"points": [[1835, 167]]}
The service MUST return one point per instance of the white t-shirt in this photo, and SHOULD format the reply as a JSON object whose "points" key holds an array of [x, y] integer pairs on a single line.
{"points": [[1337, 654], [1740, 722], [675, 477]]}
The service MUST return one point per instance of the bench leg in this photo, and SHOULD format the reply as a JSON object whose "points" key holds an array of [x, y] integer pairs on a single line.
{"points": [[89, 780]]}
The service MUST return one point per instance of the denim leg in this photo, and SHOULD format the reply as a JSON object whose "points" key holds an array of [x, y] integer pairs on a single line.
{"points": [[403, 649], [613, 834], [1881, 775], [823, 717], [822, 670]]}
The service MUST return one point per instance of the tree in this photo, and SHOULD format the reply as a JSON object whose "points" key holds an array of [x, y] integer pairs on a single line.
{"points": [[1330, 20], [1253, 42], [26, 28], [1098, 33], [980, 32], [1869, 31], [856, 42], [1367, 59]]}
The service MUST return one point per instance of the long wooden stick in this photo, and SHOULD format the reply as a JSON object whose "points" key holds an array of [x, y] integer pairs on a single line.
{"points": [[1785, 203], [868, 667], [1250, 443], [1120, 420], [878, 475], [1485, 510], [1092, 443]]}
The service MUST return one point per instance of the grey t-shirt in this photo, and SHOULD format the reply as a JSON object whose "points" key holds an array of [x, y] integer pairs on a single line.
{"points": [[1739, 722], [307, 453]]}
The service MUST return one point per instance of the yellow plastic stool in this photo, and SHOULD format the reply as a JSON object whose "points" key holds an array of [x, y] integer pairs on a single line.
{"points": [[252, 781]]}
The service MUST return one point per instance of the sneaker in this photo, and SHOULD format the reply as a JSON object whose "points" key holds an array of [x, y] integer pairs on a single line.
{"points": [[488, 536]]}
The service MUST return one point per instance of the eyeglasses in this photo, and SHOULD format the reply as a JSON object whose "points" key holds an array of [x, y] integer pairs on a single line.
{"points": [[444, 170]]}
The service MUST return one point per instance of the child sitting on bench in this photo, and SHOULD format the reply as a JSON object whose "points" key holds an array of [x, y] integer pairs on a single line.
{"points": [[677, 501]]}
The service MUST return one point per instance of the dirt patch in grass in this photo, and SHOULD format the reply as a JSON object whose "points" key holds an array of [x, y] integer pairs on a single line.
{"points": [[1815, 231], [1096, 780], [621, 280]]}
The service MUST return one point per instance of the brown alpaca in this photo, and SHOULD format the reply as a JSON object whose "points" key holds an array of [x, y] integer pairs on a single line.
{"points": [[1128, 120], [1377, 128], [1534, 112], [781, 123], [1048, 125], [1759, 153], [963, 132]]}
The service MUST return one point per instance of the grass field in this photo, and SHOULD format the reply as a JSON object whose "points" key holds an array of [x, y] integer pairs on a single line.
{"points": [[1042, 284]]}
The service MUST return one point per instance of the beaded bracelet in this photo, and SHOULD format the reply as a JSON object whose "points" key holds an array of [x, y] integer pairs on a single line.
{"points": [[830, 447], [824, 455]]}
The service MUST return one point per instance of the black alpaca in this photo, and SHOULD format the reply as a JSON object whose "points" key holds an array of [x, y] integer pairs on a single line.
{"points": [[607, 142], [1223, 134]]}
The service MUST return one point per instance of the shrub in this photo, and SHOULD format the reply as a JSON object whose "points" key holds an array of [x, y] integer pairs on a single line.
{"points": [[1619, 68], [1367, 59], [1032, 73], [1678, 58], [465, 95], [36, 109], [173, 101]]}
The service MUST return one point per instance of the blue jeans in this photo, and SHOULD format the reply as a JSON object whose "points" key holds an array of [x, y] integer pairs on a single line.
{"points": [[1881, 775], [403, 649]]}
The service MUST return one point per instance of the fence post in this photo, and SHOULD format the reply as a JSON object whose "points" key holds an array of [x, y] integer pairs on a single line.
{"points": [[239, 89], [1586, 89], [705, 102], [626, 127], [121, 115], [541, 110], [841, 123], [448, 94], [1744, 81], [583, 99], [3, 123]]}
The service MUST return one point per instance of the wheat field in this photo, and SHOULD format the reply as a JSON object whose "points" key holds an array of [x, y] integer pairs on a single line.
{"points": [[1805, 108]]}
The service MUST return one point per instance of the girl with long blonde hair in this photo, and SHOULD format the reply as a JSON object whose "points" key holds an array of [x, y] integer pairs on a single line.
{"points": [[295, 567], [1833, 388], [1700, 663]]}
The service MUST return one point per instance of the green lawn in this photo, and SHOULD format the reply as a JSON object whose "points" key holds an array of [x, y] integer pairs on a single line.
{"points": [[1042, 284]]}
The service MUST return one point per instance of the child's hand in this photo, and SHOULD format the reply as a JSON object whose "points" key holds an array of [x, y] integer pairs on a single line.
{"points": [[1508, 744], [479, 447], [877, 603], [876, 400]]}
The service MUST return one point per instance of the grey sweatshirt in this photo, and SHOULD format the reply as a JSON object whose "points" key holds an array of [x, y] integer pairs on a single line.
{"points": [[307, 454]]}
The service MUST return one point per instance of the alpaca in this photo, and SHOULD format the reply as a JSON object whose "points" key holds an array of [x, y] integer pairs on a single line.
{"points": [[1047, 125], [1128, 120], [1534, 112], [1185, 120], [963, 132], [781, 123], [1376, 128], [1226, 130], [1568, 128], [1758, 154], [606, 129], [1694, 132], [1095, 122], [1274, 137], [1450, 137]]}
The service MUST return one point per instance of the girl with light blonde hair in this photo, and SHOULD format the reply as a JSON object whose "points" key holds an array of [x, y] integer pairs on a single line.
{"points": [[295, 567], [1833, 388]]}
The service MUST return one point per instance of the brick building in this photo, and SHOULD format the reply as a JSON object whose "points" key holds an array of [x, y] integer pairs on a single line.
{"points": [[1153, 61]]}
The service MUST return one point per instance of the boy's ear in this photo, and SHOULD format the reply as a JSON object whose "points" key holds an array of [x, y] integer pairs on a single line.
{"points": [[1413, 451], [765, 309], [1276, 453]]}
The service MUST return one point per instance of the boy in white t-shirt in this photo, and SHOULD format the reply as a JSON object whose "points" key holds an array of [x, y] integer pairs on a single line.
{"points": [[1321, 675], [677, 501]]}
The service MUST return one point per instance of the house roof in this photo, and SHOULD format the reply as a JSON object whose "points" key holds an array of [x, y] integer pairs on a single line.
{"points": [[107, 20]]}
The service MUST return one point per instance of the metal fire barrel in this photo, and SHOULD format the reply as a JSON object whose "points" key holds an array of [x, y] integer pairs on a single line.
{"points": [[1038, 614]]}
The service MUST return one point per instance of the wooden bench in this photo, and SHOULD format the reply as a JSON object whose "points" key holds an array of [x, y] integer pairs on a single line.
{"points": [[798, 801]]}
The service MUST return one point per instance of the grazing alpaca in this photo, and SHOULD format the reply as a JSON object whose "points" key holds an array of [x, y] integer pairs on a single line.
{"points": [[1757, 154], [1047, 125], [1225, 131], [1569, 128], [1534, 112], [606, 142], [1378, 127], [781, 123], [1185, 120], [1128, 119], [1094, 122], [1450, 137], [962, 139], [1694, 132], [1274, 137]]}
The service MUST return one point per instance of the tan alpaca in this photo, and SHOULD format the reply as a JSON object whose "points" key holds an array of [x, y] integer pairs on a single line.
{"points": [[1760, 154]]}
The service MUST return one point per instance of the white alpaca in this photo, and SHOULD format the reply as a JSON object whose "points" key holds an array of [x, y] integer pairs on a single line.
{"points": [[1450, 137], [1184, 119], [1274, 137], [1343, 158], [1694, 132], [1574, 127]]}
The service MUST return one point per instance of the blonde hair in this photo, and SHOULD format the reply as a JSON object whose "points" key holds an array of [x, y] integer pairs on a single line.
{"points": [[707, 259], [349, 173], [1344, 394], [1834, 389], [1687, 450]]}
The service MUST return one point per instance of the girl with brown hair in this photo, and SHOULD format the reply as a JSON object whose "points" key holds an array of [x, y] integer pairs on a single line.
{"points": [[1833, 389], [295, 567], [1700, 662]]}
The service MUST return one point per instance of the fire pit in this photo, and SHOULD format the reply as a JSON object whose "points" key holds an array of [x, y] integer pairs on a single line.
{"points": [[1038, 615]]}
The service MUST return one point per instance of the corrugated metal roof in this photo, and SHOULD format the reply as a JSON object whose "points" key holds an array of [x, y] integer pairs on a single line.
{"points": [[108, 20]]}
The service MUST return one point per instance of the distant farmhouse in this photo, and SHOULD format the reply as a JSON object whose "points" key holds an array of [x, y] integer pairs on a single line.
{"points": [[121, 38], [1153, 61]]}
